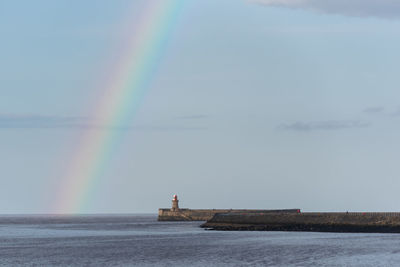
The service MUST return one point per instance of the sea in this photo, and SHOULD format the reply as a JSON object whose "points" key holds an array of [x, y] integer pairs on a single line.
{"points": [[140, 240]]}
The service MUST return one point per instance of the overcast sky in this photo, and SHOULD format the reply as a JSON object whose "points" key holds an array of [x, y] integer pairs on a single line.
{"points": [[256, 104]]}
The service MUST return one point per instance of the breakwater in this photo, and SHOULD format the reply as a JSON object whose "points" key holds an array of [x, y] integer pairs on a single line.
{"points": [[207, 214], [367, 222]]}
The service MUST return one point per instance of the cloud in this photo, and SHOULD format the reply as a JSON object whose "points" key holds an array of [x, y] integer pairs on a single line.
{"points": [[374, 109], [355, 8], [14, 121], [166, 128], [193, 117], [32, 121], [396, 113], [323, 125]]}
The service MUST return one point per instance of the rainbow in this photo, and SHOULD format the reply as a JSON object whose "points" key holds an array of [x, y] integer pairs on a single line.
{"points": [[120, 101]]}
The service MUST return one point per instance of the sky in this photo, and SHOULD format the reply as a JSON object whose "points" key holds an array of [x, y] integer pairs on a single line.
{"points": [[254, 104]]}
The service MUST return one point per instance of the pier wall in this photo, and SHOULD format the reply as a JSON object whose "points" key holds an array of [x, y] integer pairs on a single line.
{"points": [[207, 214], [309, 221]]}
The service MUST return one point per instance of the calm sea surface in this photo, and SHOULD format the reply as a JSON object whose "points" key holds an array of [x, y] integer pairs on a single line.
{"points": [[139, 240]]}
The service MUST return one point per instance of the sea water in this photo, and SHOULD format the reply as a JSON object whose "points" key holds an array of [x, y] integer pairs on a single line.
{"points": [[140, 240]]}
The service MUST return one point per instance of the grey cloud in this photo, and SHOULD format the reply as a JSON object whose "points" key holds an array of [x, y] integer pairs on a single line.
{"points": [[193, 117], [31, 121], [355, 8], [323, 125], [167, 128], [374, 109], [13, 121], [395, 113], [34, 121]]}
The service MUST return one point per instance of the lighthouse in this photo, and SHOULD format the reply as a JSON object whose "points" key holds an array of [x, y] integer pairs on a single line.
{"points": [[175, 205]]}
